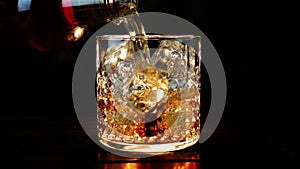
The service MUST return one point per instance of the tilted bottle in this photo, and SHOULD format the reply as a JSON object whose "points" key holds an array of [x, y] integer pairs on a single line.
{"points": [[51, 25]]}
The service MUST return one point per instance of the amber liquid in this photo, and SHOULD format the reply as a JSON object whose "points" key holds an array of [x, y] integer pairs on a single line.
{"points": [[145, 116]]}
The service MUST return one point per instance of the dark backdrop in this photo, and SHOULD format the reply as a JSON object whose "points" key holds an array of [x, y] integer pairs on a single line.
{"points": [[257, 44]]}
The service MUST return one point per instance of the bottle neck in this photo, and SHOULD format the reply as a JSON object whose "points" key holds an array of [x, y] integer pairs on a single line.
{"points": [[95, 11]]}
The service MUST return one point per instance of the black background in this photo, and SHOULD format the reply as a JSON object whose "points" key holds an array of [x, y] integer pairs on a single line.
{"points": [[257, 44]]}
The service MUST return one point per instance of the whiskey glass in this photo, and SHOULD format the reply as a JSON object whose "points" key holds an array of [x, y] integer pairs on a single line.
{"points": [[148, 92]]}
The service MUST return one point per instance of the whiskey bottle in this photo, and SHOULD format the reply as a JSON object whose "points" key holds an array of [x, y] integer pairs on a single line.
{"points": [[51, 25]]}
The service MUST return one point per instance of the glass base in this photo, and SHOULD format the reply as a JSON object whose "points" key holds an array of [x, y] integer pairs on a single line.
{"points": [[147, 148]]}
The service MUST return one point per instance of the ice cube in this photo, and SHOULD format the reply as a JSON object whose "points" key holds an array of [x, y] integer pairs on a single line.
{"points": [[118, 58], [171, 56], [147, 88]]}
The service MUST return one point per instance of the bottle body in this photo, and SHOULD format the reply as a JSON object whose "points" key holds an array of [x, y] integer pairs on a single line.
{"points": [[51, 25]]}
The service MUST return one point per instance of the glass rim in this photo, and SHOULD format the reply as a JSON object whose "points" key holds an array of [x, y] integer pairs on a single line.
{"points": [[151, 36]]}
